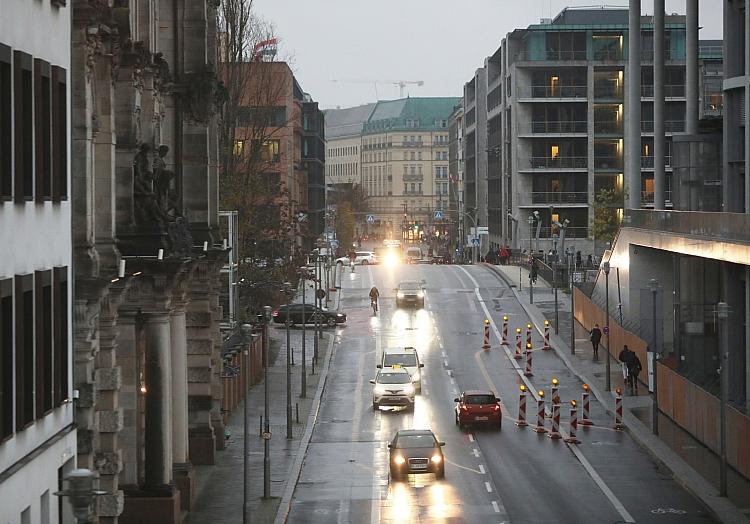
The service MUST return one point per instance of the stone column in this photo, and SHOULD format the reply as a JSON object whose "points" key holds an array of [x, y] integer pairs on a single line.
{"points": [[691, 67], [633, 106], [158, 434], [659, 137]]}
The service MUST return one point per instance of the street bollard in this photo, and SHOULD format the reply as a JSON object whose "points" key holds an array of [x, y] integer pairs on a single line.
{"points": [[618, 410], [505, 330], [555, 431], [572, 439], [521, 422], [518, 355], [528, 372], [540, 413], [585, 420], [486, 346], [296, 411], [528, 334], [546, 345], [555, 391]]}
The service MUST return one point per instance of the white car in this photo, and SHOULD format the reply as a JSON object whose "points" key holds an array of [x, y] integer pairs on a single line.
{"points": [[392, 387], [404, 358], [363, 258]]}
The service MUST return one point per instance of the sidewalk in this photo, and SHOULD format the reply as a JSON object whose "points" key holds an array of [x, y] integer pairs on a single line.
{"points": [[670, 450], [220, 487]]}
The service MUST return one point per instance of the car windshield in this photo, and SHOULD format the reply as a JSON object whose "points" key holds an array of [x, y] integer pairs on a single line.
{"points": [[394, 378], [415, 441], [479, 399], [408, 286], [404, 359]]}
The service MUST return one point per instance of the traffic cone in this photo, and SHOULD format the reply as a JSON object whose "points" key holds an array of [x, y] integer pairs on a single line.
{"points": [[528, 372], [546, 345], [540, 413], [528, 335], [555, 391], [585, 421], [518, 355], [505, 330], [618, 410], [486, 346], [573, 424], [555, 431], [521, 422]]}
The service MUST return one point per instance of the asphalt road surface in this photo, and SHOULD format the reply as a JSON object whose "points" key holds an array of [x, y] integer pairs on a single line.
{"points": [[492, 476]]}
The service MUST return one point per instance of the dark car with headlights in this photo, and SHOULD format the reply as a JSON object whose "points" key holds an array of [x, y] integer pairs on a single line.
{"points": [[308, 315], [410, 293], [416, 451]]}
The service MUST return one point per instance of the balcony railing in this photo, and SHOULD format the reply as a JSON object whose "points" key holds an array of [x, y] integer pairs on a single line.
{"points": [[547, 91], [606, 90], [603, 126], [411, 143], [647, 197], [670, 126], [570, 232], [413, 193], [579, 126], [608, 54], [413, 178], [648, 161], [559, 197], [565, 162], [670, 91], [607, 162], [552, 55]]}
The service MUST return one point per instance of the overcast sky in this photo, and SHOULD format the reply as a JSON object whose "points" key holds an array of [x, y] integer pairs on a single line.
{"points": [[440, 42]]}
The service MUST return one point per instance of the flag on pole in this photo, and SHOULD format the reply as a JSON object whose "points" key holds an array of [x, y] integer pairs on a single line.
{"points": [[266, 48]]}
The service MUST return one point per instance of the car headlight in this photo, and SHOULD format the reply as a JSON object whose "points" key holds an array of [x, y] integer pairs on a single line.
{"points": [[379, 390], [436, 459], [415, 375], [409, 389], [420, 294], [399, 460], [400, 294]]}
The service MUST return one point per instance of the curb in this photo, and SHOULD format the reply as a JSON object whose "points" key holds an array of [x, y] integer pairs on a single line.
{"points": [[680, 471], [286, 500]]}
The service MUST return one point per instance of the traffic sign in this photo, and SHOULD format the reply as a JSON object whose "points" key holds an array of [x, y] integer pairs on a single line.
{"points": [[577, 277], [321, 294], [475, 242], [483, 230], [370, 219], [266, 435], [438, 215], [606, 330], [334, 244]]}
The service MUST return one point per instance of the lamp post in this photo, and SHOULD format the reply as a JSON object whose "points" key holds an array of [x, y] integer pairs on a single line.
{"points": [[303, 387], [287, 288], [267, 427], [82, 494], [607, 379], [653, 285], [531, 260], [723, 312], [572, 309]]}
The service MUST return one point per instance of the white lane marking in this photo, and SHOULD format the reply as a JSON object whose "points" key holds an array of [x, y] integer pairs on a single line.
{"points": [[445, 355], [495, 506], [619, 507], [476, 452], [453, 381], [481, 469], [445, 363], [488, 487], [471, 437], [375, 501]]}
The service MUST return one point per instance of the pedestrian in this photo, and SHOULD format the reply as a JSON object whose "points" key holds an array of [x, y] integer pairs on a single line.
{"points": [[533, 271], [596, 337], [631, 367], [504, 255], [589, 262], [579, 261]]}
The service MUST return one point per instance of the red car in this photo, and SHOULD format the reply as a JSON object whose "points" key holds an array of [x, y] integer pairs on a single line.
{"points": [[478, 407]]}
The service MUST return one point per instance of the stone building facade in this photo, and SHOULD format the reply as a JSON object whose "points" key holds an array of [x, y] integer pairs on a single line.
{"points": [[147, 251]]}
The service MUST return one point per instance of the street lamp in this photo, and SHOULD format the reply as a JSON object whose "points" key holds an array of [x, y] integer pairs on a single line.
{"points": [[722, 310], [653, 286], [266, 318], [82, 494], [287, 290], [607, 379]]}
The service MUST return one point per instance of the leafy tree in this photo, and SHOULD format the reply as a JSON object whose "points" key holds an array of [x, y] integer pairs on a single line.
{"points": [[606, 203]]}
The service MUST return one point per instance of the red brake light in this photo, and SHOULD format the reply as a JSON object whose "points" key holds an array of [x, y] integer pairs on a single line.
{"points": [[497, 407], [464, 408]]}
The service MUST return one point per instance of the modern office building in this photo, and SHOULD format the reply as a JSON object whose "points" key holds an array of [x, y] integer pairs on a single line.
{"points": [[547, 120], [404, 155], [38, 438], [343, 141], [456, 175], [314, 161]]}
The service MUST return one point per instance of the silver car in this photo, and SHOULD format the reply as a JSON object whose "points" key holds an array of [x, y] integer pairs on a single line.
{"points": [[392, 387]]}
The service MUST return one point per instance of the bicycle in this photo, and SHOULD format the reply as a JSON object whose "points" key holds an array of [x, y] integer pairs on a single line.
{"points": [[374, 305]]}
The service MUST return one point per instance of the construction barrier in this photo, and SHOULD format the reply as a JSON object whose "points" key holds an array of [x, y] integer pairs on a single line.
{"points": [[546, 345], [486, 345], [585, 416], [528, 372], [555, 391], [505, 330], [518, 355], [618, 410], [540, 414], [571, 439], [521, 422], [555, 431], [528, 334]]}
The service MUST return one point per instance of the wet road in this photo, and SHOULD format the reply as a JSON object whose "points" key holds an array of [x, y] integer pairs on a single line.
{"points": [[511, 475]]}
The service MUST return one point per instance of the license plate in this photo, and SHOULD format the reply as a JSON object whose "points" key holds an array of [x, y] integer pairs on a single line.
{"points": [[481, 418], [419, 466]]}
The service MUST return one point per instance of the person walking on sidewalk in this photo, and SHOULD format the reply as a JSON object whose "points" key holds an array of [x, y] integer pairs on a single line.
{"points": [[596, 337], [632, 367]]}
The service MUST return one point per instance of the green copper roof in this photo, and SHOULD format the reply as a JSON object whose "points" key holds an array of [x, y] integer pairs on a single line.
{"points": [[412, 114]]}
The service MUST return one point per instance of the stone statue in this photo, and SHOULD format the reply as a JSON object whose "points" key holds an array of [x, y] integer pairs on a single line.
{"points": [[152, 200]]}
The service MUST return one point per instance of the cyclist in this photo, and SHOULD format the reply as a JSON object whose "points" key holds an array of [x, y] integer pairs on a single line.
{"points": [[352, 259], [374, 295]]}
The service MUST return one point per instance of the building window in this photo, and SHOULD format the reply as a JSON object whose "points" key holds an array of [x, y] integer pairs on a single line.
{"points": [[6, 358], [42, 130], [24, 350], [61, 349], [59, 134], [239, 147], [6, 127], [23, 125], [43, 338]]}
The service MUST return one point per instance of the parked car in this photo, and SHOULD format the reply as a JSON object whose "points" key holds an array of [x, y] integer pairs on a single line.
{"points": [[405, 358], [363, 258], [416, 451], [392, 387], [410, 293], [413, 255], [330, 318], [478, 407]]}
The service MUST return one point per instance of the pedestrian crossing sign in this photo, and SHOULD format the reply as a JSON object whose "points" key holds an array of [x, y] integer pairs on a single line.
{"points": [[438, 215]]}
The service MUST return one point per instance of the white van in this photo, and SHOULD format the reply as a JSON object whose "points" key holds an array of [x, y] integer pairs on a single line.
{"points": [[413, 255], [406, 358]]}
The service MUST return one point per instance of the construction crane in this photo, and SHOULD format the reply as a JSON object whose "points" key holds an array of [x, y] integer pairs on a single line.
{"points": [[400, 83]]}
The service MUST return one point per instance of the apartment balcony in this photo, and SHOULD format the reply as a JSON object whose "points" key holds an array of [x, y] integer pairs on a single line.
{"points": [[558, 162], [604, 127], [670, 91], [549, 93], [608, 91], [670, 126], [547, 232], [647, 162], [608, 55], [550, 55], [413, 178], [409, 143], [546, 127], [559, 197], [413, 193], [647, 198], [608, 163]]}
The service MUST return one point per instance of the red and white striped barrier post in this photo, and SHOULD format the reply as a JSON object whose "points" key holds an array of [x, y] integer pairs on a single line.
{"points": [[528, 334], [572, 439], [540, 413], [546, 345], [555, 431], [585, 420], [518, 355], [555, 391], [486, 345], [528, 372], [505, 330], [618, 410], [521, 422]]}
